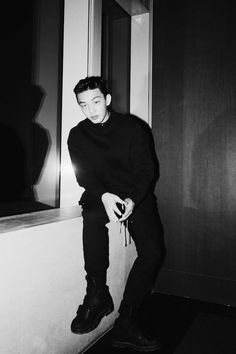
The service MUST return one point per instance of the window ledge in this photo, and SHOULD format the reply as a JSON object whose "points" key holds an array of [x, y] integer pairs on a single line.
{"points": [[18, 222]]}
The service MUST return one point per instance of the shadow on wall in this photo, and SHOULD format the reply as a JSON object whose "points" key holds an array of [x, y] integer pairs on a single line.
{"points": [[23, 149]]}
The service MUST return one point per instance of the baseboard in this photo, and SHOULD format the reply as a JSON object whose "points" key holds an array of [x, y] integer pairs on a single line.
{"points": [[197, 286]]}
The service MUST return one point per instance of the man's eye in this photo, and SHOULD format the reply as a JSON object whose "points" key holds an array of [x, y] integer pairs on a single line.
{"points": [[97, 102]]}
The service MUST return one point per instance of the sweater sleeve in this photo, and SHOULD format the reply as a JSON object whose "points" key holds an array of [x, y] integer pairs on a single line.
{"points": [[86, 176], [142, 165]]}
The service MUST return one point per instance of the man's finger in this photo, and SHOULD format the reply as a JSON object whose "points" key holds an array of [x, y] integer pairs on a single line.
{"points": [[113, 217], [125, 216], [119, 200], [127, 213], [117, 210]]}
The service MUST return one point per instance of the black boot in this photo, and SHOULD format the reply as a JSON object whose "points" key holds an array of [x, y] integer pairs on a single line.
{"points": [[97, 304], [127, 333]]}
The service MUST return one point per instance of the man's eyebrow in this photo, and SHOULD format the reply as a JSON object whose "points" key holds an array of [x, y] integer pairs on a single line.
{"points": [[95, 97]]}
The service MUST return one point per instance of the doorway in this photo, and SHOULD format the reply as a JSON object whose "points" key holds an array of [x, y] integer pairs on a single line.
{"points": [[116, 49]]}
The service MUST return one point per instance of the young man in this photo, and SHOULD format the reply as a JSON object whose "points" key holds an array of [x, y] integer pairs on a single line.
{"points": [[112, 161]]}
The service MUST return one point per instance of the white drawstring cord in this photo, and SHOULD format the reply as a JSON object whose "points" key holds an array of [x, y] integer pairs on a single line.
{"points": [[127, 238]]}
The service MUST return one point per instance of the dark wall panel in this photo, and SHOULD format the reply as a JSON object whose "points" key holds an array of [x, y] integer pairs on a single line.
{"points": [[194, 126]]}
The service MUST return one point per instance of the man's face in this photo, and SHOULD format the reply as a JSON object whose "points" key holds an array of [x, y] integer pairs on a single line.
{"points": [[94, 105]]}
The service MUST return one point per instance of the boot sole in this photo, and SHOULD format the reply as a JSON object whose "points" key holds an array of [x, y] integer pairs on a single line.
{"points": [[96, 322], [135, 347]]}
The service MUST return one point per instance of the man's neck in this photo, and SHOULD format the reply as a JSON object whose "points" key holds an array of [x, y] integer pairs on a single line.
{"points": [[106, 117]]}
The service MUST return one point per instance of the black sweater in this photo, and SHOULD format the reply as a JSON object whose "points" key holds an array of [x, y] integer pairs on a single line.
{"points": [[111, 157]]}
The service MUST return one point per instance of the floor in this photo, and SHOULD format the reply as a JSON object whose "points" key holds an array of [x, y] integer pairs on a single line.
{"points": [[184, 326]]}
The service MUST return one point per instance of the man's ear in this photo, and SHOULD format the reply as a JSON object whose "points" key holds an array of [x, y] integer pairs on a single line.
{"points": [[108, 99]]}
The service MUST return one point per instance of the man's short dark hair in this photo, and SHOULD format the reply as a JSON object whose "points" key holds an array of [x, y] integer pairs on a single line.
{"points": [[91, 83]]}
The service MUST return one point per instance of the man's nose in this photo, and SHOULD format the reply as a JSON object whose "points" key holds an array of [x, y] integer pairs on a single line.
{"points": [[91, 109]]}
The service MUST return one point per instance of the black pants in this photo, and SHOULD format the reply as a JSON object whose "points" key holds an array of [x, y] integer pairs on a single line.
{"points": [[145, 228]]}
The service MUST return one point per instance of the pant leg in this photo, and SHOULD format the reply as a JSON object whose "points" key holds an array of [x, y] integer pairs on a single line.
{"points": [[146, 230], [95, 241]]}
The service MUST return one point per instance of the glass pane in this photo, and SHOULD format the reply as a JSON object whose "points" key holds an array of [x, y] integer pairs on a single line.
{"points": [[31, 42]]}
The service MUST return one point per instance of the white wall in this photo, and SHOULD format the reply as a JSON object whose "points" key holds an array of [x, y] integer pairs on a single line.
{"points": [[75, 66], [42, 284], [94, 37]]}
